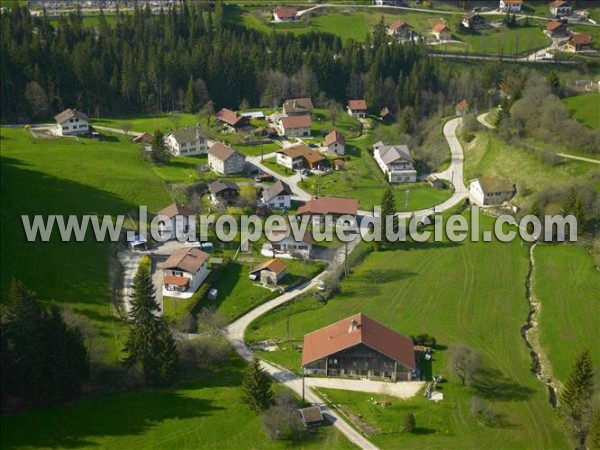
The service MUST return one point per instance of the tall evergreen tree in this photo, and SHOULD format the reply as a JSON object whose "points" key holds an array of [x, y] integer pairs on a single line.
{"points": [[160, 154], [190, 103], [576, 397], [256, 387], [388, 214]]}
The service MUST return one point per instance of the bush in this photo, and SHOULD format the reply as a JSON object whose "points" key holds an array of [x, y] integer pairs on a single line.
{"points": [[282, 421], [424, 339], [203, 351]]}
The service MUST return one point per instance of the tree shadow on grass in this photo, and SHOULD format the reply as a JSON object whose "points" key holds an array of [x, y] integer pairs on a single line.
{"points": [[423, 431], [493, 385]]}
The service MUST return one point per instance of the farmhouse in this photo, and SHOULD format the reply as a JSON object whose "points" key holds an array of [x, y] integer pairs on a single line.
{"points": [[357, 108], [559, 8], [491, 190], [224, 160], [318, 208], [557, 29], [462, 108], [334, 143], [185, 270], [231, 120], [358, 346], [300, 156], [144, 138], [400, 29], [223, 192], [395, 161], [177, 220], [441, 31], [187, 141], [473, 21], [269, 273], [295, 126], [286, 245], [298, 107], [278, 195], [71, 122], [283, 14], [579, 42], [510, 5]]}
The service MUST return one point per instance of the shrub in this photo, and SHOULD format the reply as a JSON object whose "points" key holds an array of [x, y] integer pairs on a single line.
{"points": [[409, 423], [424, 339]]}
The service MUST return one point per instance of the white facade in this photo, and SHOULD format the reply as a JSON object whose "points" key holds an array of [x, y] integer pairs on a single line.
{"points": [[397, 169], [289, 162], [195, 279], [335, 148], [283, 201], [287, 247], [562, 10], [495, 197], [232, 165], [186, 142], [74, 126], [510, 6], [295, 131]]}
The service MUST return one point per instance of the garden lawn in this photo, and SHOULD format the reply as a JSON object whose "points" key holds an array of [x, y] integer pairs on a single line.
{"points": [[206, 414], [585, 108], [469, 293], [570, 309], [149, 123], [69, 176]]}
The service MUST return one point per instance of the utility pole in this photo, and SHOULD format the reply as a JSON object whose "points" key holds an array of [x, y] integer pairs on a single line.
{"points": [[262, 152], [406, 199], [318, 185], [287, 328], [302, 369], [345, 260]]}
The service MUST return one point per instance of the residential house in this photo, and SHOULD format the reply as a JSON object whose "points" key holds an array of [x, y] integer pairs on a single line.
{"points": [[491, 190], [400, 29], [269, 273], [358, 347], [461, 108], [386, 115], [295, 126], [224, 160], [559, 8], [231, 120], [223, 192], [318, 208], [187, 142], [395, 162], [300, 156], [473, 21], [144, 138], [185, 270], [71, 122], [579, 42], [178, 220], [283, 14], [298, 107], [286, 245], [441, 31], [403, 3], [334, 143], [277, 196], [357, 108], [557, 29], [510, 5]]}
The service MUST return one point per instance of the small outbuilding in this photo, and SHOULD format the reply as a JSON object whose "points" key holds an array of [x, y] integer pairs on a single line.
{"points": [[269, 273]]}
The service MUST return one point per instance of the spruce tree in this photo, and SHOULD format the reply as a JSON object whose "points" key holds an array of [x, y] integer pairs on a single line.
{"points": [[388, 210], [256, 387], [190, 104], [168, 357], [160, 154], [409, 423], [576, 398], [593, 440]]}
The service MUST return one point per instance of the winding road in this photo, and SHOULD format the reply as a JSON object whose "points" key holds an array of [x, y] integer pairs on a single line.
{"points": [[235, 331]]}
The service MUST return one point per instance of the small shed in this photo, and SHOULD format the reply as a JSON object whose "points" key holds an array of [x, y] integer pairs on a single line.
{"points": [[311, 416], [269, 272]]}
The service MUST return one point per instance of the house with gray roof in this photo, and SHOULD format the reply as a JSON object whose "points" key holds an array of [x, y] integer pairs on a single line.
{"points": [[71, 122], [395, 162], [187, 142], [223, 192], [224, 160], [278, 195]]}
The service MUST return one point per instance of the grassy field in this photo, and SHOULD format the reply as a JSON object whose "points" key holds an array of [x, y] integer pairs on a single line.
{"points": [[201, 414], [67, 176], [479, 301], [570, 311], [585, 108]]}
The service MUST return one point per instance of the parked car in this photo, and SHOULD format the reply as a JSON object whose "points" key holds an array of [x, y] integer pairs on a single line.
{"points": [[321, 286], [305, 172]]}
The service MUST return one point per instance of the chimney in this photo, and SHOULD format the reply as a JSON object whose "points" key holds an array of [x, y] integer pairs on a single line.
{"points": [[353, 326]]}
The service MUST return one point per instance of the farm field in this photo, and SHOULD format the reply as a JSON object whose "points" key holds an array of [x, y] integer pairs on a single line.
{"points": [[585, 108], [68, 176], [199, 414], [570, 312], [477, 292]]}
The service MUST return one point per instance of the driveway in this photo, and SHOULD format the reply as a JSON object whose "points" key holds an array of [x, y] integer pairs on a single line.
{"points": [[401, 389]]}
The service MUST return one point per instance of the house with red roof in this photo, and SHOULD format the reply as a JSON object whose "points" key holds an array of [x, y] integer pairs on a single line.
{"points": [[510, 5], [357, 108], [579, 42], [334, 143], [184, 271], [359, 347], [269, 272], [232, 120], [285, 14]]}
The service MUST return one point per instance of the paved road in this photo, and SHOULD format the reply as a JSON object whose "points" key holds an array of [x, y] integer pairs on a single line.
{"points": [[481, 119]]}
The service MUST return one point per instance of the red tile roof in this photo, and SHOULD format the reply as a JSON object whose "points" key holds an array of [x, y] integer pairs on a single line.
{"points": [[296, 122], [557, 4], [357, 105], [555, 24], [580, 38], [275, 265], [396, 25], [175, 209], [176, 281], [187, 259], [334, 136], [354, 330], [285, 13], [330, 205], [463, 105], [230, 117], [440, 27]]}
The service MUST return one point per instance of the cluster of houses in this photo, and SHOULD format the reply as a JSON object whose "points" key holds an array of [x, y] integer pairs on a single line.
{"points": [[559, 30]]}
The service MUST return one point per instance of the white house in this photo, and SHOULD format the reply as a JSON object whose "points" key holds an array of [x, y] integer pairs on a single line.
{"points": [[184, 271], [285, 245], [559, 8], [224, 160], [298, 107], [357, 108], [491, 190], [334, 143], [395, 161], [283, 14], [223, 192], [510, 5], [72, 122], [187, 142], [295, 126], [300, 156], [278, 195], [177, 220]]}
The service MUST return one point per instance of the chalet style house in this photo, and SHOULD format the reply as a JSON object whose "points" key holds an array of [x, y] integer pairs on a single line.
{"points": [[579, 42], [224, 160], [334, 143], [277, 196], [473, 21], [298, 107], [395, 162], [187, 142], [318, 208], [357, 108], [441, 31], [269, 273], [223, 192], [510, 5], [71, 122], [560, 8], [462, 107], [400, 30], [284, 244], [185, 270], [295, 126], [231, 120], [358, 347], [283, 14], [558, 29], [299, 157], [178, 219], [491, 190]]}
